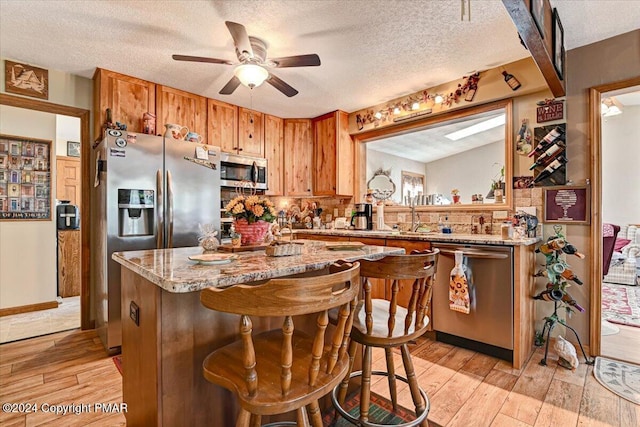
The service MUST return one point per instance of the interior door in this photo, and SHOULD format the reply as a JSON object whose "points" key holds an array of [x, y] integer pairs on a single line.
{"points": [[68, 179]]}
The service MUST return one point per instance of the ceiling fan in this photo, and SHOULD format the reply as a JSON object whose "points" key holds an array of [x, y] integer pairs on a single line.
{"points": [[252, 69]]}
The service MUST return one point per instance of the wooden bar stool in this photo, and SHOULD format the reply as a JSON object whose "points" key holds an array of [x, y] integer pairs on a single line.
{"points": [[385, 324], [282, 370]]}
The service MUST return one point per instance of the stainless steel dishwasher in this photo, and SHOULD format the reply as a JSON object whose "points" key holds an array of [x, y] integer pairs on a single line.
{"points": [[488, 328]]}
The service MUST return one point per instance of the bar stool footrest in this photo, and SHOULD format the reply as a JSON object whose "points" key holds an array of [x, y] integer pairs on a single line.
{"points": [[353, 420]]}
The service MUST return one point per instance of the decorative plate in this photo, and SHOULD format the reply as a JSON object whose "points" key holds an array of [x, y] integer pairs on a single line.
{"points": [[213, 259]]}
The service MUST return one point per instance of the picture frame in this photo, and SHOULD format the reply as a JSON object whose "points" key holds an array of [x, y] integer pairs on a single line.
{"points": [[558, 44], [24, 79], [25, 178], [537, 13], [567, 204], [73, 149]]}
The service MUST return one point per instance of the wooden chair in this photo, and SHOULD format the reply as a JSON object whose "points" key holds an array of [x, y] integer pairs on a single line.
{"points": [[385, 324], [282, 370]]}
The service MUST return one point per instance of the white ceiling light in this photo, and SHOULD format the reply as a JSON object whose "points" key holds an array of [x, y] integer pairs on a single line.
{"points": [[251, 75], [477, 128]]}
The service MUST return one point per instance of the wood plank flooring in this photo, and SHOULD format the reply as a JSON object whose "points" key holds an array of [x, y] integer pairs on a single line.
{"points": [[625, 345], [465, 388]]}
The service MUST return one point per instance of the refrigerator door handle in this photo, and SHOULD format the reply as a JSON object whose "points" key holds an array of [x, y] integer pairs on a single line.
{"points": [[159, 211], [170, 209]]}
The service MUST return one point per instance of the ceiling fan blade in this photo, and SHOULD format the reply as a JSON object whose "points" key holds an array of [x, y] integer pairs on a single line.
{"points": [[230, 86], [281, 86], [200, 59], [311, 60], [240, 38]]}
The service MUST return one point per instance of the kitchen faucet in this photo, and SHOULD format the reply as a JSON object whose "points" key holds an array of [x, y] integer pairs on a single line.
{"points": [[415, 225]]}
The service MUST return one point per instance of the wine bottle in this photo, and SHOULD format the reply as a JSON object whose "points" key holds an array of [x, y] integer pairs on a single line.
{"points": [[554, 135], [545, 158], [568, 299], [550, 295], [513, 83], [571, 250], [548, 171], [551, 246], [570, 275]]}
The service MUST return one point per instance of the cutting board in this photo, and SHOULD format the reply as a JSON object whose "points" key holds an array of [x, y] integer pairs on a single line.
{"points": [[343, 246], [247, 248]]}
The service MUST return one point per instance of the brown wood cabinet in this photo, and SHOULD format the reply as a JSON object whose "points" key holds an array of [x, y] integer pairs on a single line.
{"points": [[68, 265], [298, 157], [182, 108], [250, 133], [222, 125], [333, 155], [274, 153], [127, 97]]}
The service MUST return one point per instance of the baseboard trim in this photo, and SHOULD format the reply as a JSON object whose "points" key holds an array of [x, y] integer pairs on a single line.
{"points": [[28, 308]]}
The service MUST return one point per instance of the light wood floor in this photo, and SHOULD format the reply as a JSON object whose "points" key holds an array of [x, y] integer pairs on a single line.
{"points": [[465, 388], [625, 345]]}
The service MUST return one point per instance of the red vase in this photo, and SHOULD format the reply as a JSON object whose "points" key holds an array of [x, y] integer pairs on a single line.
{"points": [[253, 233]]}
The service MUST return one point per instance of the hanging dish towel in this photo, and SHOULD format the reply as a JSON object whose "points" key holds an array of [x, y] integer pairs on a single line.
{"points": [[458, 286]]}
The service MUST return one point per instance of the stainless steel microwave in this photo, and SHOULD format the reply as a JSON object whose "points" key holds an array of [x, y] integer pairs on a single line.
{"points": [[234, 170]]}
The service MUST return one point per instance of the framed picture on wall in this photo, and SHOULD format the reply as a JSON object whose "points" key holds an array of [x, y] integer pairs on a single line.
{"points": [[568, 204], [558, 44], [537, 12], [24, 79], [73, 149], [25, 178]]}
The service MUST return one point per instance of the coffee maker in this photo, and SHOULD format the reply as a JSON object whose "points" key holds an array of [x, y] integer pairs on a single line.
{"points": [[363, 218]]}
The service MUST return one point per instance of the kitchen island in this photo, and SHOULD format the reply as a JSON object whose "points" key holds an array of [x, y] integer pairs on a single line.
{"points": [[167, 333]]}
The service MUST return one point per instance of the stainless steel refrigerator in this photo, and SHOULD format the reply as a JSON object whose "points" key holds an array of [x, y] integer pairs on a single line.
{"points": [[150, 192]]}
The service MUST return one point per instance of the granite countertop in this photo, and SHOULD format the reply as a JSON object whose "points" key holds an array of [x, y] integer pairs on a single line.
{"points": [[172, 270], [479, 239]]}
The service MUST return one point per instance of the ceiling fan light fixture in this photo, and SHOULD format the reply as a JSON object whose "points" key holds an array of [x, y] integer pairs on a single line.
{"points": [[251, 75]]}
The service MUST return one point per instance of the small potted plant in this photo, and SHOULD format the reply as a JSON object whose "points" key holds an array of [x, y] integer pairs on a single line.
{"points": [[455, 193]]}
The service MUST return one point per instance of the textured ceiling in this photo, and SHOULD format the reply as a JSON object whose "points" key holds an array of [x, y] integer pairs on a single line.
{"points": [[371, 50]]}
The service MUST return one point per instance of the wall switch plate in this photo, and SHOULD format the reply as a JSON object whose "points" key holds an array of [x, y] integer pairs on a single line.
{"points": [[134, 313], [500, 214]]}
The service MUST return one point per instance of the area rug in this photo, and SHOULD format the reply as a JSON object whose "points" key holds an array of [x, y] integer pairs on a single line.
{"points": [[117, 360], [608, 328], [621, 304], [621, 378], [380, 412]]}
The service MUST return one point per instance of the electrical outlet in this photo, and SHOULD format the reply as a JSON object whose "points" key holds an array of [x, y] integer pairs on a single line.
{"points": [[134, 313], [402, 218], [500, 214]]}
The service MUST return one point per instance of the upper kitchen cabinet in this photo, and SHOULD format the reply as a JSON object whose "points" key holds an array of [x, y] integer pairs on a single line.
{"points": [[333, 155], [274, 153], [127, 97], [250, 136], [298, 157], [222, 125], [182, 108]]}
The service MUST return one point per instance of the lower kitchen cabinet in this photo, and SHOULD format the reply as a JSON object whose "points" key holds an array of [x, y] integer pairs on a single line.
{"points": [[68, 265]]}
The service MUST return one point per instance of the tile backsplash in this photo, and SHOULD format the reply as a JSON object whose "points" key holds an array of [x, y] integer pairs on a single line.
{"points": [[460, 221]]}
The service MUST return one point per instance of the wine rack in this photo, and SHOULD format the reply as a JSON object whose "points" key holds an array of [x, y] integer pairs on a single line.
{"points": [[548, 158], [560, 276]]}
